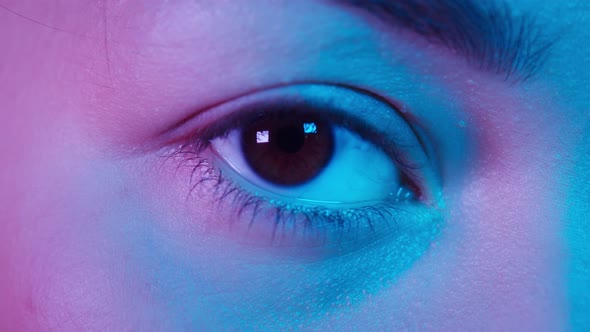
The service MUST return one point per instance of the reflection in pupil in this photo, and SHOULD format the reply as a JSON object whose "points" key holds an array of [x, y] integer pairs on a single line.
{"points": [[262, 136], [290, 138], [287, 149], [310, 128]]}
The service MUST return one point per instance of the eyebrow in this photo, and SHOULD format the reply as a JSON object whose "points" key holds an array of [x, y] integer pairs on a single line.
{"points": [[488, 35]]}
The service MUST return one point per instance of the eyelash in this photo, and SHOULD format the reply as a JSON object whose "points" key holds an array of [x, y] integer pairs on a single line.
{"points": [[287, 215]]}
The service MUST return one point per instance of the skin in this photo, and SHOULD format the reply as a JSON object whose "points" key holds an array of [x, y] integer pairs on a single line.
{"points": [[99, 231]]}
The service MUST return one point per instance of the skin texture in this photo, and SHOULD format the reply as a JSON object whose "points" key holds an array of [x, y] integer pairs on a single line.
{"points": [[100, 231]]}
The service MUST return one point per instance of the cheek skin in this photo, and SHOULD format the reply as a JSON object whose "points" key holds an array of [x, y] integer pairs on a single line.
{"points": [[61, 205], [83, 251], [89, 261]]}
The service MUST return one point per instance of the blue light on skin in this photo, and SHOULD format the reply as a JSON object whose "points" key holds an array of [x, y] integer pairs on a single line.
{"points": [[90, 226]]}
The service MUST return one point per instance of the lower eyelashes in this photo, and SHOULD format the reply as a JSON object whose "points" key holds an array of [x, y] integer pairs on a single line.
{"points": [[265, 221]]}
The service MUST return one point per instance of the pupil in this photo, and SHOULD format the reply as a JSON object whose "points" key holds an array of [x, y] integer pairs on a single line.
{"points": [[290, 138], [287, 148]]}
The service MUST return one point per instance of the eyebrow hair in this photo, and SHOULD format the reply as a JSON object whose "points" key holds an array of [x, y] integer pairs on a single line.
{"points": [[486, 33]]}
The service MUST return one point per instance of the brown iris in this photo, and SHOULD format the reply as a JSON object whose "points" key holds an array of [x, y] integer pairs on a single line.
{"points": [[287, 148]]}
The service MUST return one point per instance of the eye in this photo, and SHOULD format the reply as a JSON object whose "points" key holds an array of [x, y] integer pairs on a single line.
{"points": [[314, 156], [300, 155]]}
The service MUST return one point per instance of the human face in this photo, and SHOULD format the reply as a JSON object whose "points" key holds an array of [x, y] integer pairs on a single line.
{"points": [[108, 224]]}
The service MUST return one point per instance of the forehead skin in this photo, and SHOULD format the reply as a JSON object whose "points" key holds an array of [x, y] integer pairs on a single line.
{"points": [[81, 83]]}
